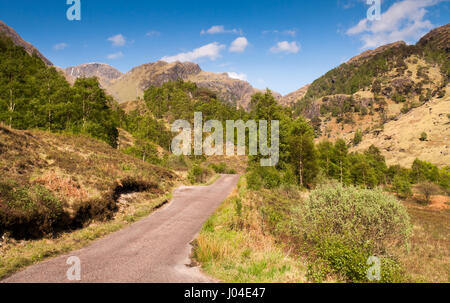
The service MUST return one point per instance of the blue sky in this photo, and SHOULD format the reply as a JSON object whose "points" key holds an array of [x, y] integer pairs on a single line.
{"points": [[282, 45]]}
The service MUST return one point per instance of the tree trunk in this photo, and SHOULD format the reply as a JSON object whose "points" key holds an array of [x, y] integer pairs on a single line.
{"points": [[11, 106]]}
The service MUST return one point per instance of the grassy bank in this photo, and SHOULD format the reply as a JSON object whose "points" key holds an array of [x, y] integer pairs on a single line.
{"points": [[234, 246], [58, 192], [15, 255], [262, 236]]}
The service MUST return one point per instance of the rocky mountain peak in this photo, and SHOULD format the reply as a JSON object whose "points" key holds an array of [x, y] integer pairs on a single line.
{"points": [[104, 72]]}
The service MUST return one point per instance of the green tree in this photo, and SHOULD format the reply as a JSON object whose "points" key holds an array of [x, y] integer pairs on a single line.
{"points": [[303, 152]]}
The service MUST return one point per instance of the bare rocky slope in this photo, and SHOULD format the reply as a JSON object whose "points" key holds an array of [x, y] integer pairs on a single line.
{"points": [[292, 98], [105, 73], [11, 33]]}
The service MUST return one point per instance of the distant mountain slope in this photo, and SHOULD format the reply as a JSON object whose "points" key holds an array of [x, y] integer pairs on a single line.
{"points": [[104, 72], [292, 98], [389, 94], [132, 85], [399, 140], [11, 33]]}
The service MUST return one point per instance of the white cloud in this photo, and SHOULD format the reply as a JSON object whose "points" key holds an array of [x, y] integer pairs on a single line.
{"points": [[118, 40], [153, 34], [60, 46], [239, 45], [210, 51], [115, 56], [404, 20], [286, 47], [238, 76], [220, 29], [288, 32]]}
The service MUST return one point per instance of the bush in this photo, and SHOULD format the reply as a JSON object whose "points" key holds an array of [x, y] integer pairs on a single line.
{"points": [[254, 181], [28, 212], [423, 137], [428, 189], [198, 174], [358, 137], [361, 215], [348, 225], [221, 168], [267, 177], [402, 186]]}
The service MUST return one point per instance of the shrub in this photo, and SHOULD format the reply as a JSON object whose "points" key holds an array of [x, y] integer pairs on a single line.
{"points": [[423, 137], [267, 177], [402, 186], [28, 212], [198, 174], [358, 137], [221, 168], [424, 171], [428, 189], [361, 215], [254, 181], [444, 177], [348, 225]]}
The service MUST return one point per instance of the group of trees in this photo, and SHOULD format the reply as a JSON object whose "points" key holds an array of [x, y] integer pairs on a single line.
{"points": [[33, 95], [305, 163]]}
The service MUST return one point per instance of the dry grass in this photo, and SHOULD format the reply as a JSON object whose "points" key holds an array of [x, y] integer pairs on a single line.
{"points": [[74, 167], [428, 259], [15, 255], [234, 247]]}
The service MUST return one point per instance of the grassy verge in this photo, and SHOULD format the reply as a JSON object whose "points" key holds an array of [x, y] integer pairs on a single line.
{"points": [[266, 236], [234, 247], [428, 259], [17, 255]]}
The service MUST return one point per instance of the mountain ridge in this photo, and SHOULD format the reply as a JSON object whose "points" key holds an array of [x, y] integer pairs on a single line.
{"points": [[17, 39]]}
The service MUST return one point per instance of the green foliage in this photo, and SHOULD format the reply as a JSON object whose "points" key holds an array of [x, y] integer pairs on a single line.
{"points": [[444, 177], [424, 171], [358, 137], [198, 174], [222, 168], [144, 150], [179, 100], [146, 128], [33, 95], [264, 177], [357, 215], [303, 155], [402, 186], [423, 136], [348, 225], [367, 169], [28, 212]]}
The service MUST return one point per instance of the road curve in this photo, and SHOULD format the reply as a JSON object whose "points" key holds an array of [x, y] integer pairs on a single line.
{"points": [[153, 250]]}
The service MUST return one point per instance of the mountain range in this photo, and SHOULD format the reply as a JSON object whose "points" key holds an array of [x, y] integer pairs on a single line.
{"points": [[381, 93]]}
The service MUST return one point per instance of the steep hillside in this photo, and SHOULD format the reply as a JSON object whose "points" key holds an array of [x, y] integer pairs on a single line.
{"points": [[132, 85], [104, 72], [400, 139], [292, 98], [377, 91], [11, 33], [52, 182]]}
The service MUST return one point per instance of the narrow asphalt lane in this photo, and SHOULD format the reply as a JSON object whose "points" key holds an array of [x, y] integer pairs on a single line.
{"points": [[155, 249]]}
